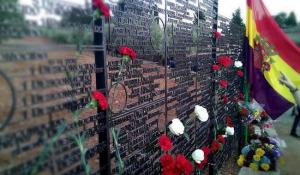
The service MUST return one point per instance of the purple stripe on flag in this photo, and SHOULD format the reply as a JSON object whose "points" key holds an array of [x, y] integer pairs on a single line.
{"points": [[273, 103]]}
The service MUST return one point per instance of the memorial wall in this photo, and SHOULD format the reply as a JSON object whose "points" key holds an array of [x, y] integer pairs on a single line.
{"points": [[53, 54]]}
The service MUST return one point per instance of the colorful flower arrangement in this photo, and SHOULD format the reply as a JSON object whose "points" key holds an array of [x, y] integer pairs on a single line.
{"points": [[253, 112], [260, 156]]}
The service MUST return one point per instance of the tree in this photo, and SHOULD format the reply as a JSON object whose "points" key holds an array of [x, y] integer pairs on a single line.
{"points": [[285, 21], [72, 28], [291, 20], [237, 19], [281, 19], [12, 20], [77, 15]]}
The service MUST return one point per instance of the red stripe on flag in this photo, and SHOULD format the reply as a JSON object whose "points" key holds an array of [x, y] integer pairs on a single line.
{"points": [[249, 3], [269, 30]]}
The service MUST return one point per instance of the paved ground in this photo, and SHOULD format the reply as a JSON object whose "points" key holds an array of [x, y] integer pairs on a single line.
{"points": [[292, 151]]}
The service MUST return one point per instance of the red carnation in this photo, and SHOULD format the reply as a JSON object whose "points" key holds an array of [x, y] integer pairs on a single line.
{"points": [[225, 99], [244, 111], [167, 162], [240, 73], [183, 164], [216, 67], [100, 99], [133, 55], [206, 151], [225, 61], [217, 35], [229, 121], [173, 171], [188, 168], [264, 114], [221, 139], [180, 162], [223, 83], [215, 146], [102, 7], [127, 51], [202, 164], [165, 143], [241, 96], [236, 100]]}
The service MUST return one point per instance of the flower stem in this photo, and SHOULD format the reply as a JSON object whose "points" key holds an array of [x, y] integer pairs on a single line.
{"points": [[122, 67], [118, 156]]}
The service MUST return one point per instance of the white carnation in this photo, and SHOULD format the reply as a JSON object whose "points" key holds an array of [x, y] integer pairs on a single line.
{"points": [[176, 127], [198, 156], [201, 113], [238, 64], [229, 131]]}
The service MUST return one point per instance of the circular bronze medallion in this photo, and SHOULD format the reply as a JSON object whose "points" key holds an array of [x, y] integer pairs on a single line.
{"points": [[7, 100]]}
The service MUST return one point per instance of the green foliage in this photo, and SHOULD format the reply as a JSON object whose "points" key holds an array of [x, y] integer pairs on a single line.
{"points": [[12, 20], [64, 36], [280, 19], [293, 29], [157, 37], [289, 24], [291, 20], [237, 19], [77, 15], [295, 37], [286, 21], [70, 30]]}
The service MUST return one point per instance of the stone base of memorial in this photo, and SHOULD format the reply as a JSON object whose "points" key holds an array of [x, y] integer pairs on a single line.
{"points": [[249, 171]]}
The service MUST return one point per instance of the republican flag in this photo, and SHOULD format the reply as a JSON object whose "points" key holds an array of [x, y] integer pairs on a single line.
{"points": [[269, 52]]}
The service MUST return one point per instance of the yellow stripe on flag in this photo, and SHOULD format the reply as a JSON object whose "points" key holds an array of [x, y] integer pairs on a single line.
{"points": [[251, 31], [273, 75]]}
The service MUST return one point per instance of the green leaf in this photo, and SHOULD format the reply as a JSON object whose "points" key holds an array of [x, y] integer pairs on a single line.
{"points": [[187, 137]]}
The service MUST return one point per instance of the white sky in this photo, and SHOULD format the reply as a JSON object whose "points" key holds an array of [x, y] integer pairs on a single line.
{"points": [[227, 7]]}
